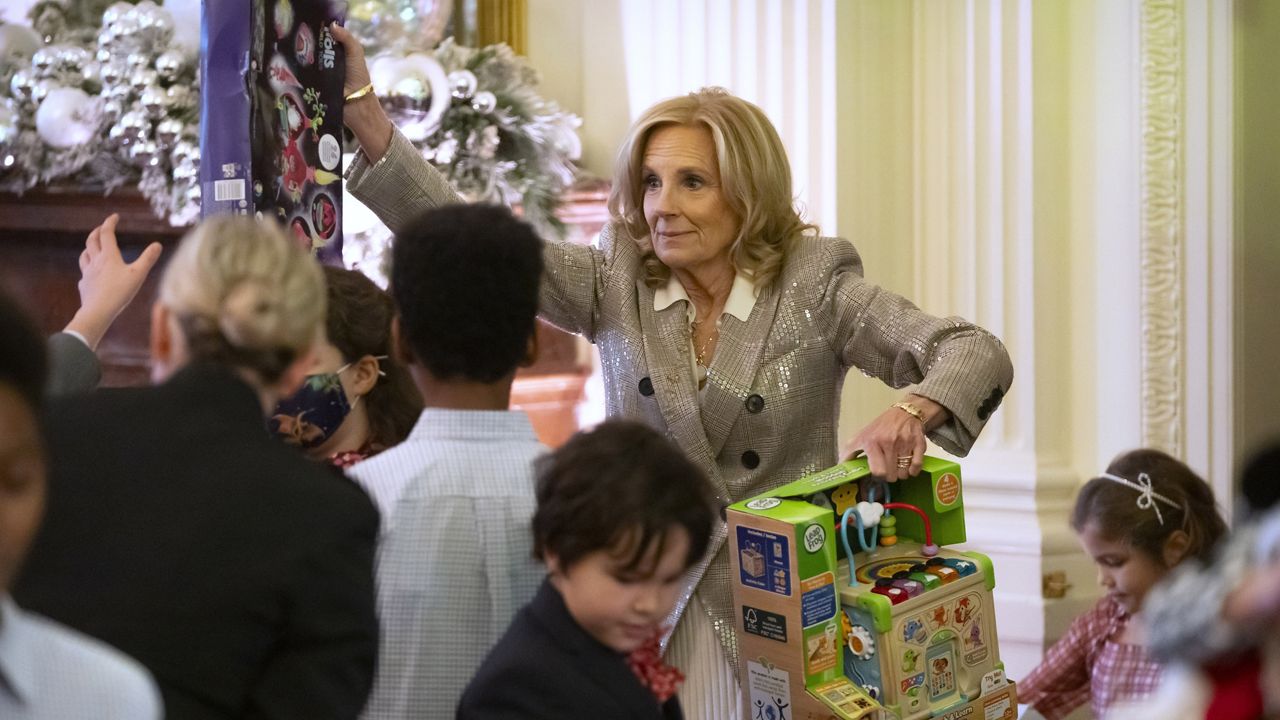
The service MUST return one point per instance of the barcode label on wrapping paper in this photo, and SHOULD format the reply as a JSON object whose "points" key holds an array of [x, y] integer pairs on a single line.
{"points": [[228, 190]]}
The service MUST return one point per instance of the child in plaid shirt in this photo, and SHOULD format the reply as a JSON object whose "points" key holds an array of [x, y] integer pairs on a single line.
{"points": [[1144, 515]]}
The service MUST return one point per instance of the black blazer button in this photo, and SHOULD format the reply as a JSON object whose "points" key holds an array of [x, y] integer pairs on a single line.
{"points": [[755, 404], [646, 386], [984, 412], [750, 460]]}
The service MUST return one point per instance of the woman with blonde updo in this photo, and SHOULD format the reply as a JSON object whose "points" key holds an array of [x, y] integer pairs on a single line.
{"points": [[180, 532]]}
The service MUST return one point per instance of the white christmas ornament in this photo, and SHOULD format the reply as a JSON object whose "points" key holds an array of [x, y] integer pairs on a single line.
{"points": [[65, 118]]}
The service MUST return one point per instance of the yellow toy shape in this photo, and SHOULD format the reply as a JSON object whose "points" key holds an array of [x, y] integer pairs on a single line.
{"points": [[845, 497]]}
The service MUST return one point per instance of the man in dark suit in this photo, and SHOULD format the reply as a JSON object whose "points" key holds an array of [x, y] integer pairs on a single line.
{"points": [[179, 531]]}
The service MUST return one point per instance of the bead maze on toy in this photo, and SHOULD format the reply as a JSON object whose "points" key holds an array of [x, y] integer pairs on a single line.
{"points": [[849, 606]]}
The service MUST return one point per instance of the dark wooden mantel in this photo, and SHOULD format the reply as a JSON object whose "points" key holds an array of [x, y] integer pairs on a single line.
{"points": [[42, 233]]}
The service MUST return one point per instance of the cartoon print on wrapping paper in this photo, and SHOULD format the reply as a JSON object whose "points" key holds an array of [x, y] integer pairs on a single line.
{"points": [[295, 172], [304, 45], [324, 216], [283, 18]]}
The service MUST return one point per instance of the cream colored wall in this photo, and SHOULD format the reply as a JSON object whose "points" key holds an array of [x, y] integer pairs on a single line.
{"points": [[1257, 221], [874, 165], [576, 45]]}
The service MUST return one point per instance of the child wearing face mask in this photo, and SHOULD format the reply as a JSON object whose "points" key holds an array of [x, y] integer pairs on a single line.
{"points": [[622, 514], [1142, 517], [366, 401]]}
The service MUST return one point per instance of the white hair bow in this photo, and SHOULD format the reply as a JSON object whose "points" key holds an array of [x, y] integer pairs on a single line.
{"points": [[1146, 494]]}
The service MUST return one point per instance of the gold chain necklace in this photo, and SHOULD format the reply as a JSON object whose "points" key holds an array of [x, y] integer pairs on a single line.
{"points": [[700, 357]]}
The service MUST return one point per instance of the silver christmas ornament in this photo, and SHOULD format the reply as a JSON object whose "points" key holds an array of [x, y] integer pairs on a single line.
{"points": [[462, 84], [21, 83], [184, 170], [484, 102], [169, 64], [142, 79], [185, 151], [111, 73], [112, 109], [144, 153], [71, 57], [43, 60], [116, 11], [134, 124], [40, 89], [119, 135], [168, 131], [154, 101]]}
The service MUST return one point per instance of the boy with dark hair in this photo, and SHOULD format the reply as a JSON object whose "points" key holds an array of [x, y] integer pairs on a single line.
{"points": [[455, 560], [46, 670], [622, 514]]}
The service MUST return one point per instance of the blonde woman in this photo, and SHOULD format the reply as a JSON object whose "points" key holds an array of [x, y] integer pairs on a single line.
{"points": [[725, 321], [180, 532]]}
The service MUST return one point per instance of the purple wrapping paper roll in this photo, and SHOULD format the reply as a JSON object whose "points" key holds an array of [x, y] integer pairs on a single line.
{"points": [[271, 116]]}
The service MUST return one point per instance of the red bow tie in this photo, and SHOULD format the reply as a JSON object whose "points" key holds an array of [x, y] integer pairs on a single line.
{"points": [[646, 662]]}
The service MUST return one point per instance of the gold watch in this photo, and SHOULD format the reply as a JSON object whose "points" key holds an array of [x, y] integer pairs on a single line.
{"points": [[911, 409]]}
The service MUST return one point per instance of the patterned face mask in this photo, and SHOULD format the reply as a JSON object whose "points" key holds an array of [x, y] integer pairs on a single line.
{"points": [[314, 413]]}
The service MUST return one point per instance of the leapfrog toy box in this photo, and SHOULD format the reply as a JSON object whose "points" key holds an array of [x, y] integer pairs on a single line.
{"points": [[271, 116], [848, 606]]}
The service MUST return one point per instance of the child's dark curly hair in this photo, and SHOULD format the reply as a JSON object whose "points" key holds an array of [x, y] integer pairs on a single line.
{"points": [[465, 280]]}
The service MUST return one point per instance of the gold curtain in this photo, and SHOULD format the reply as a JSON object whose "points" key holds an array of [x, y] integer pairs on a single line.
{"points": [[483, 22]]}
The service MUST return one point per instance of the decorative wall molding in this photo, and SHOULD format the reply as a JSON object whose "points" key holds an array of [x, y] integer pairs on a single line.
{"points": [[1162, 231]]}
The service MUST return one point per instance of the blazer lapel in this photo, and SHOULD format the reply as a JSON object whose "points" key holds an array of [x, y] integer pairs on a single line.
{"points": [[665, 335], [734, 367]]}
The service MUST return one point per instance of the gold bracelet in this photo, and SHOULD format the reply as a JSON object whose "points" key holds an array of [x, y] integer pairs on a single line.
{"points": [[911, 409], [357, 94]]}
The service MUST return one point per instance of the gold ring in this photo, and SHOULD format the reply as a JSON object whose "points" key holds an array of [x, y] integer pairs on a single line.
{"points": [[904, 463]]}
